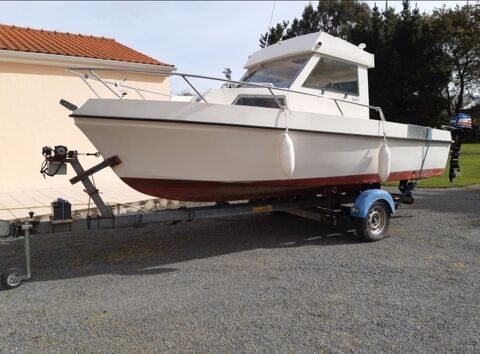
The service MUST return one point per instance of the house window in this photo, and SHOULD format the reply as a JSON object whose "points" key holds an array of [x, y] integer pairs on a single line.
{"points": [[334, 75]]}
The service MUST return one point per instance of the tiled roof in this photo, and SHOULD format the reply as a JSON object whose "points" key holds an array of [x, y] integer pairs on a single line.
{"points": [[63, 43]]}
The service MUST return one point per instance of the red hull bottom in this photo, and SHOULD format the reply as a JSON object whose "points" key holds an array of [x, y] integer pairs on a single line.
{"points": [[207, 191]]}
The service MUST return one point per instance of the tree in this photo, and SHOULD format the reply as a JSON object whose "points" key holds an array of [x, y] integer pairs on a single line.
{"points": [[227, 72], [341, 17], [407, 69], [338, 18], [458, 36], [274, 34], [425, 64]]}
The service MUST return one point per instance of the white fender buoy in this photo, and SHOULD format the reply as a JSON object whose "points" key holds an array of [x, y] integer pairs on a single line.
{"points": [[287, 155], [384, 162]]}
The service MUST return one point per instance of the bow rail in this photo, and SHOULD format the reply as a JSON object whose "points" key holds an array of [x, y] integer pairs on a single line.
{"points": [[86, 73]]}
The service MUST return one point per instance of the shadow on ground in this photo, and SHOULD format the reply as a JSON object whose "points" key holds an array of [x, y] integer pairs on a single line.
{"points": [[156, 249]]}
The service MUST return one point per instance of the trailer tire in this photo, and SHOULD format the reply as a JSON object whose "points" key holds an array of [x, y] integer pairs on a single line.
{"points": [[374, 226], [10, 278]]}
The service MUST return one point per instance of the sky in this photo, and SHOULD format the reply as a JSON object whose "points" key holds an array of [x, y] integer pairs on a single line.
{"points": [[197, 37]]}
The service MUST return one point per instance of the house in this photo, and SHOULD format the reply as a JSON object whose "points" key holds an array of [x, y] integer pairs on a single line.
{"points": [[33, 79]]}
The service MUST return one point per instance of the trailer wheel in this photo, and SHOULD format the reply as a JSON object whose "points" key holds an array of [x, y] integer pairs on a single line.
{"points": [[374, 226], [11, 278]]}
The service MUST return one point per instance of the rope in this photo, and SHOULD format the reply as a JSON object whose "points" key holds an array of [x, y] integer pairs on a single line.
{"points": [[428, 137], [285, 109], [382, 118]]}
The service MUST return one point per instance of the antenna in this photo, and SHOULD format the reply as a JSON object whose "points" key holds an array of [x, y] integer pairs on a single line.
{"points": [[270, 24], [284, 33]]}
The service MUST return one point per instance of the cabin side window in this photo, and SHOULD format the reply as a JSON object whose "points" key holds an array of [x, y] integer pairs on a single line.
{"points": [[259, 101], [334, 75]]}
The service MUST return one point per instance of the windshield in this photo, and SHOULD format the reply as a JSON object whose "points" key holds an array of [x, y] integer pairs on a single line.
{"points": [[281, 73]]}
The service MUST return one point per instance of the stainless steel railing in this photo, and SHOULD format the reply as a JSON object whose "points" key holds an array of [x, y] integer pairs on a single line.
{"points": [[86, 73], [93, 76]]}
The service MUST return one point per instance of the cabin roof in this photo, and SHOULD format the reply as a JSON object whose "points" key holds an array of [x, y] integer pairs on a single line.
{"points": [[319, 42]]}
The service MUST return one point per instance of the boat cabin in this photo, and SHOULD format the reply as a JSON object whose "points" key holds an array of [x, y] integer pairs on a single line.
{"points": [[316, 64]]}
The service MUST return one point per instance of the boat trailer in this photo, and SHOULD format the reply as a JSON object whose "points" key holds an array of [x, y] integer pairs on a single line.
{"points": [[369, 207]]}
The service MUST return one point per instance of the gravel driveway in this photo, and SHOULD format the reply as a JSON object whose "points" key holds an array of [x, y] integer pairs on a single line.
{"points": [[263, 283]]}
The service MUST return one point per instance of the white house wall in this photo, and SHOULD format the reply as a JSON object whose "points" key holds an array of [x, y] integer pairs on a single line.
{"points": [[31, 117]]}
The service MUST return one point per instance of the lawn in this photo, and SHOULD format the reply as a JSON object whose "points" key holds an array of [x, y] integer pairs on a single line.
{"points": [[469, 168]]}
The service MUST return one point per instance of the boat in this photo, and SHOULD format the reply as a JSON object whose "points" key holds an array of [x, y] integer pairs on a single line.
{"points": [[297, 123]]}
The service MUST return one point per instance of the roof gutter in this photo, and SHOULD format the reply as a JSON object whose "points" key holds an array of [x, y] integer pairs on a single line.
{"points": [[11, 56]]}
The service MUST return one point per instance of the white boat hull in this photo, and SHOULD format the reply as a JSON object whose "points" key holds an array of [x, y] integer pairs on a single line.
{"points": [[192, 151]]}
